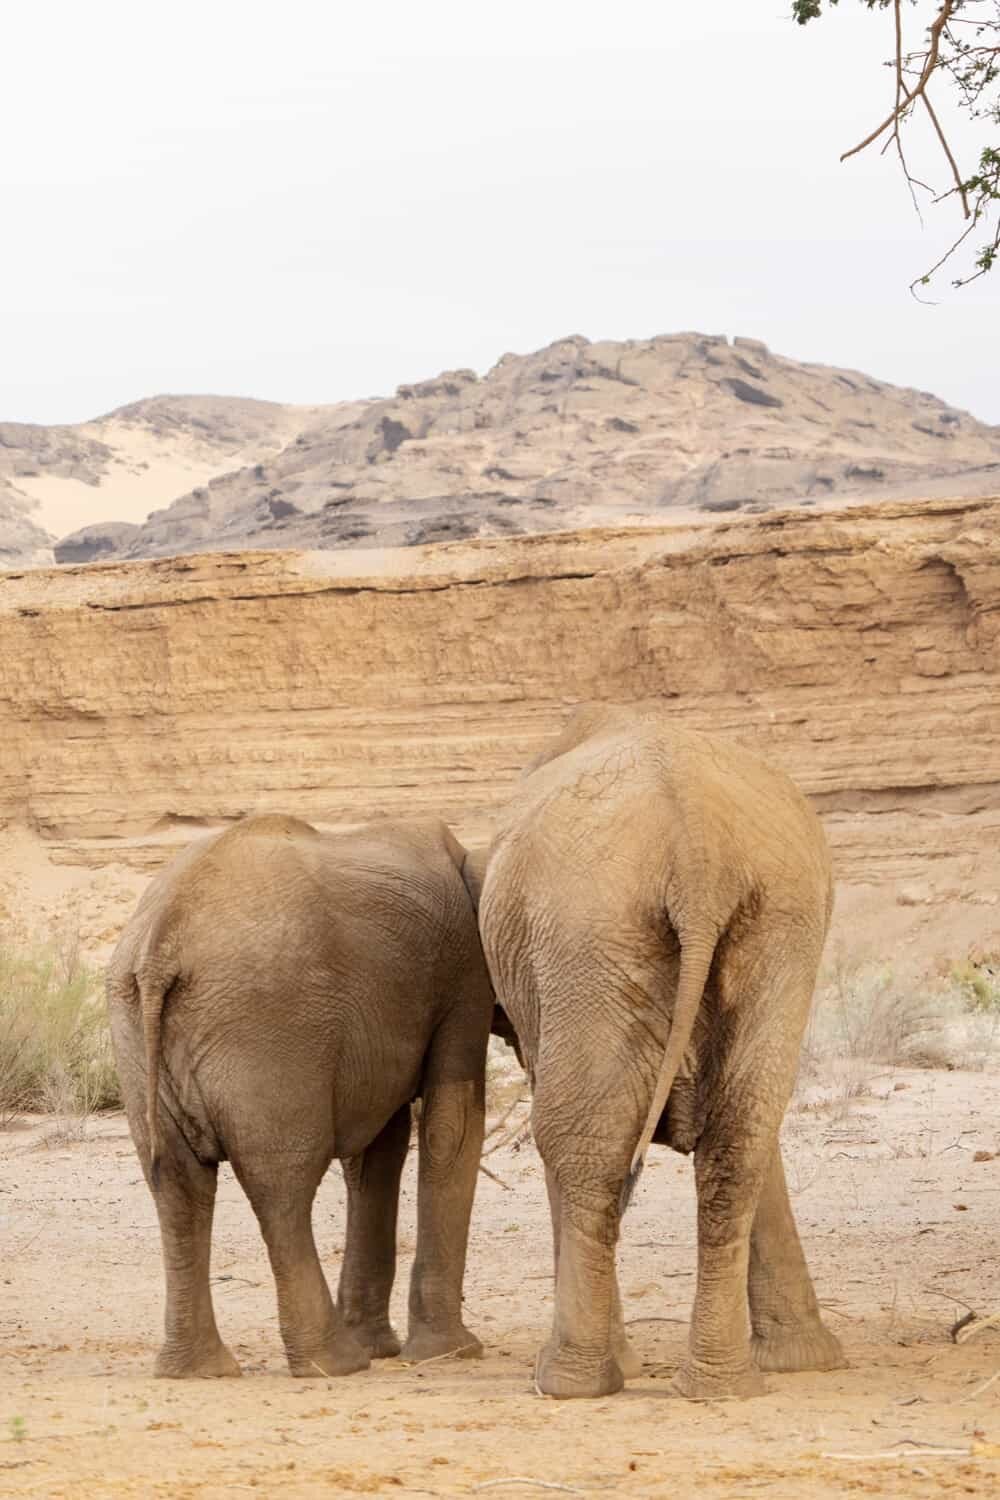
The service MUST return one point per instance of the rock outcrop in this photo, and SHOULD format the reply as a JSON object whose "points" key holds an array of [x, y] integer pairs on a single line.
{"points": [[109, 473], [577, 434], [22, 542], [859, 648]]}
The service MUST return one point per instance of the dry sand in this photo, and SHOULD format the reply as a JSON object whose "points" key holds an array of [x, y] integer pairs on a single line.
{"points": [[900, 1225], [148, 470]]}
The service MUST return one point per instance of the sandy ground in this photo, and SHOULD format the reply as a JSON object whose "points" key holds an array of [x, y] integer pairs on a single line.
{"points": [[900, 1223]]}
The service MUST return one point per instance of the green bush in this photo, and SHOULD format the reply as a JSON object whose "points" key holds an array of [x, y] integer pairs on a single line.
{"points": [[980, 982], [55, 1048]]}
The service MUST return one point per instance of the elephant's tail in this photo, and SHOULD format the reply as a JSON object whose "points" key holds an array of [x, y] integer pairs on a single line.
{"points": [[154, 985], [697, 952]]}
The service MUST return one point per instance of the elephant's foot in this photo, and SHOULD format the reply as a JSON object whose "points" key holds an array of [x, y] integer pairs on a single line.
{"points": [[567, 1378], [343, 1355], [425, 1342], [808, 1347], [626, 1357], [698, 1381], [209, 1362], [378, 1337]]}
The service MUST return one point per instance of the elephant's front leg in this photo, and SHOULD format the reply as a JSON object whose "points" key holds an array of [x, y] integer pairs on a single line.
{"points": [[788, 1333], [625, 1355], [451, 1139], [369, 1265]]}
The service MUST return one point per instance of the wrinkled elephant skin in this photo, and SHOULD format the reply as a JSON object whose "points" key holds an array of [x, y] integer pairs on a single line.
{"points": [[279, 999], [653, 912]]}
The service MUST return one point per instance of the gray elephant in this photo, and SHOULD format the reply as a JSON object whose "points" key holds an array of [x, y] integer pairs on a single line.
{"points": [[278, 999], [653, 911]]}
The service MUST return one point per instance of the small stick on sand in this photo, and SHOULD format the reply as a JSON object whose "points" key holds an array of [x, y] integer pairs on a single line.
{"points": [[967, 1327], [981, 1388], [630, 1321], [499, 1123], [494, 1178], [418, 1364], [541, 1484], [883, 1453], [514, 1134]]}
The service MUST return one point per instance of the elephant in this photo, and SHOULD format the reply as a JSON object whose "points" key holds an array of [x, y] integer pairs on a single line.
{"points": [[653, 910], [279, 998]]}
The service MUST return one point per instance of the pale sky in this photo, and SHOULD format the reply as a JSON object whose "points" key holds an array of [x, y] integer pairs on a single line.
{"points": [[310, 200]]}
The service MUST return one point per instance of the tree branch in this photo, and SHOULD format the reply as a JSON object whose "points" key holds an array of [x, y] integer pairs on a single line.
{"points": [[956, 174], [909, 95]]}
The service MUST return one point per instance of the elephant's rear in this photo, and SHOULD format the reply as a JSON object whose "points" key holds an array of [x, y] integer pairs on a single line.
{"points": [[279, 983], [639, 860], [653, 911], [143, 969]]}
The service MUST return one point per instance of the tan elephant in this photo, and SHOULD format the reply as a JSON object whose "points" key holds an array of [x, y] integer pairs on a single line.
{"points": [[653, 911], [279, 999]]}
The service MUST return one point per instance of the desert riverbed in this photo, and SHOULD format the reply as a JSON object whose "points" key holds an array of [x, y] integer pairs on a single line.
{"points": [[900, 1222]]}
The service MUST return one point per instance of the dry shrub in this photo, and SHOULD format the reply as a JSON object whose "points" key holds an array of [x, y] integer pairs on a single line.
{"points": [[505, 1081], [866, 1016], [55, 1048], [979, 979]]}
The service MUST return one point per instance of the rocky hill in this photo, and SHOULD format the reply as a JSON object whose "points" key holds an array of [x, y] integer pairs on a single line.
{"points": [[860, 648], [577, 434], [118, 467]]}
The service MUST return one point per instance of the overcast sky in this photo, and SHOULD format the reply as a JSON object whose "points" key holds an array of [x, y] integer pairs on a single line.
{"points": [[313, 199]]}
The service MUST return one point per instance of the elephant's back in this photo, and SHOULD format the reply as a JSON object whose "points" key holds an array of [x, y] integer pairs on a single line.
{"points": [[272, 893], [641, 798]]}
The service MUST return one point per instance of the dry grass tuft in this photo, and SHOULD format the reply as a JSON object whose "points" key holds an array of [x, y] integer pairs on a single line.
{"points": [[505, 1082], [868, 1017], [55, 1048]]}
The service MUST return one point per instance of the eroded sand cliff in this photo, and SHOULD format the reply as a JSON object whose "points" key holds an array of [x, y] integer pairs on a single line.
{"points": [[141, 702]]}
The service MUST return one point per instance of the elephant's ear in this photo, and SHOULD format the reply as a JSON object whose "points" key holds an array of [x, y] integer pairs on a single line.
{"points": [[473, 869], [470, 863]]}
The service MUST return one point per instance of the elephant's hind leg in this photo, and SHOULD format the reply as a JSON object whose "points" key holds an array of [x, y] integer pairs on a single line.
{"points": [[624, 1353], [585, 1150], [369, 1265], [763, 997], [579, 1360], [281, 1189], [728, 1176], [451, 1139], [185, 1202], [788, 1333]]}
